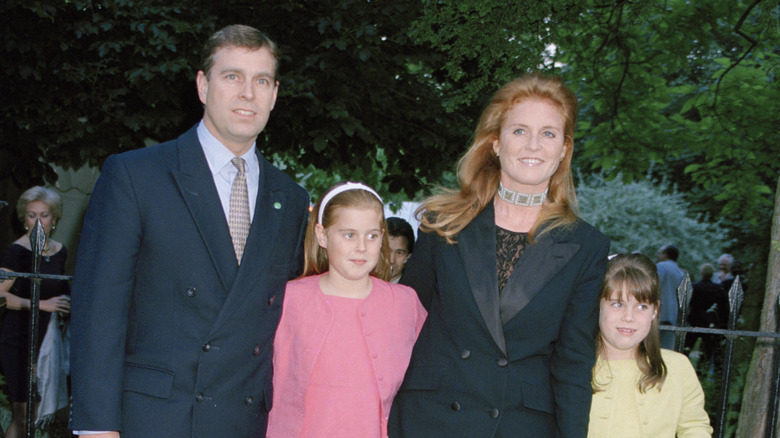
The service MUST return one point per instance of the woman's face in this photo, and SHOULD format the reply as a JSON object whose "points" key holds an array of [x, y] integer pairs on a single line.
{"points": [[41, 211], [530, 145], [624, 323]]}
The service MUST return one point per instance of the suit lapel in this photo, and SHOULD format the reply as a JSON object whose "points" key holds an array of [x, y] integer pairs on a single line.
{"points": [[266, 220], [196, 185], [258, 252], [537, 266], [477, 248]]}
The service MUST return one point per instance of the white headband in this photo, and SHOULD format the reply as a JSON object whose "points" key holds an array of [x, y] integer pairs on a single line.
{"points": [[343, 188]]}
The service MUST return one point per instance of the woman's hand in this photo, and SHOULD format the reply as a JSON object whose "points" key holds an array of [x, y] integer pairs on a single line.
{"points": [[57, 304]]}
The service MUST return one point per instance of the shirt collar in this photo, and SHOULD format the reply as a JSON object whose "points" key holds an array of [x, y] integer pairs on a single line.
{"points": [[218, 156]]}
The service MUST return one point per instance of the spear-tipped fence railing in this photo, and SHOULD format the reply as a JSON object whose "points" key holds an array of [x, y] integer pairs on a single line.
{"points": [[37, 242], [736, 296]]}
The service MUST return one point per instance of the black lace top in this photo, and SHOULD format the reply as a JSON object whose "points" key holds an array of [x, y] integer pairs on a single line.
{"points": [[509, 248]]}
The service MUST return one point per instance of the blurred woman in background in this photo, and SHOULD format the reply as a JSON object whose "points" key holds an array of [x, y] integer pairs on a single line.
{"points": [[44, 205]]}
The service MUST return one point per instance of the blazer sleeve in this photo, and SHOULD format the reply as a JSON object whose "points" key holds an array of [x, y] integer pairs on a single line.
{"points": [[101, 293], [299, 246], [574, 354]]}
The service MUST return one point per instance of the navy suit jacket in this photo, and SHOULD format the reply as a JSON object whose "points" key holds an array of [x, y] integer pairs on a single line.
{"points": [[511, 365], [170, 337]]}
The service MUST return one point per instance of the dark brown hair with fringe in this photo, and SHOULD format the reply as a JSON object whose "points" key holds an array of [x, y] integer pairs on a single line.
{"points": [[637, 275]]}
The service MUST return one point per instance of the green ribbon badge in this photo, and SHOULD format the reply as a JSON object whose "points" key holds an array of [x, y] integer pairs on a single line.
{"points": [[277, 205]]}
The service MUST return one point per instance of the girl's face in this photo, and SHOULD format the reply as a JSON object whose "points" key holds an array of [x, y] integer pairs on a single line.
{"points": [[38, 210], [353, 241], [624, 323]]}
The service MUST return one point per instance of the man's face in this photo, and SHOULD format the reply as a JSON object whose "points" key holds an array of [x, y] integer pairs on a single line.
{"points": [[399, 254], [238, 94]]}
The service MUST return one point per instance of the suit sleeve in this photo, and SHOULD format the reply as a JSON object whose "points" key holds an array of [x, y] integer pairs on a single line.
{"points": [[102, 287], [418, 272], [299, 245], [574, 354]]}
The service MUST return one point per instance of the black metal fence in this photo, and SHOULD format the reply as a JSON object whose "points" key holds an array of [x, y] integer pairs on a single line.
{"points": [[736, 296], [37, 242]]}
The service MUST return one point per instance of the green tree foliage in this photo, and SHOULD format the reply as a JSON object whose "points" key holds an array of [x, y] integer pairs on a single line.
{"points": [[353, 88], [686, 85], [643, 216], [680, 83], [676, 88], [85, 79], [488, 42]]}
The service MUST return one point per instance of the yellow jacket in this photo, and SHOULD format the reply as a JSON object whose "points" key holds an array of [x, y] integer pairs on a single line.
{"points": [[676, 410]]}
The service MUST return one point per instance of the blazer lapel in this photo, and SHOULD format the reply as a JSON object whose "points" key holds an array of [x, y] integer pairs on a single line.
{"points": [[197, 188], [477, 248], [537, 266], [271, 201], [258, 253]]}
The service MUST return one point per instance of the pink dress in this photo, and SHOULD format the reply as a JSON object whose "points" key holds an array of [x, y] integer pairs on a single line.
{"points": [[338, 362], [342, 399]]}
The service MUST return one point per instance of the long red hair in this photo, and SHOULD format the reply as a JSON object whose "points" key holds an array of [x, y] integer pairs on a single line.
{"points": [[479, 170]]}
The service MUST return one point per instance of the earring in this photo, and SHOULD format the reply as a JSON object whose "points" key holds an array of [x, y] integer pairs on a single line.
{"points": [[496, 153], [53, 227], [26, 228]]}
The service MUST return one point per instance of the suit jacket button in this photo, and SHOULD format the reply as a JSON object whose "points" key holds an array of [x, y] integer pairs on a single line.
{"points": [[207, 347], [465, 354], [502, 362], [199, 397], [455, 406], [191, 292], [257, 350], [494, 413], [249, 401], [271, 300]]}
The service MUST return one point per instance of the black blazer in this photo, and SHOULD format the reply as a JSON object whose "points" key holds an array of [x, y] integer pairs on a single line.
{"points": [[514, 366], [170, 337]]}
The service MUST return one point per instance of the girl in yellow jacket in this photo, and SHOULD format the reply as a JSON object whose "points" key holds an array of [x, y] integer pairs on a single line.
{"points": [[640, 390]]}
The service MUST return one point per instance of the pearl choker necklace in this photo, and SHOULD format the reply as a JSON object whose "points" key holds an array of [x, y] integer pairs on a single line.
{"points": [[522, 199]]}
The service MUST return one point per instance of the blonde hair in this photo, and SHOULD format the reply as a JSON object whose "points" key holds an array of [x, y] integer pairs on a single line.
{"points": [[48, 196], [479, 170], [316, 257], [636, 275]]}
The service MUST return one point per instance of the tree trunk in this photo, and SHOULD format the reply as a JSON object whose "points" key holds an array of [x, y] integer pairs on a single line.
{"points": [[755, 398]]}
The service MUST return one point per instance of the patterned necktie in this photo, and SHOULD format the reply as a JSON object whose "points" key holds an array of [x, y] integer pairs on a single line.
{"points": [[239, 209]]}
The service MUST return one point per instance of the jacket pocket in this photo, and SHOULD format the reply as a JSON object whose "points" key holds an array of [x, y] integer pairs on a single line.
{"points": [[422, 379], [156, 382], [538, 397]]}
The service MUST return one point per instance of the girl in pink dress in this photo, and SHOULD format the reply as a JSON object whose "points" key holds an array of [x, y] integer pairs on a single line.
{"points": [[346, 334]]}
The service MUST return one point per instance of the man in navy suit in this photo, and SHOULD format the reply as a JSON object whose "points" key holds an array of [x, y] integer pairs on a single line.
{"points": [[173, 319]]}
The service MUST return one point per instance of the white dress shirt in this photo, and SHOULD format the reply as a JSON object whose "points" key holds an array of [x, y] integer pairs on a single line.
{"points": [[224, 172]]}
